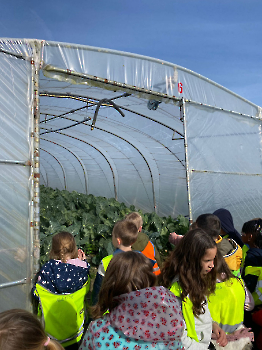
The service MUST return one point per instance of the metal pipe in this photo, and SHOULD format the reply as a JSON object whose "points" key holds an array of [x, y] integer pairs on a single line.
{"points": [[112, 83], [16, 162], [222, 109], [112, 171], [63, 170], [150, 171], [83, 99], [223, 172], [79, 160], [183, 117], [14, 283]]}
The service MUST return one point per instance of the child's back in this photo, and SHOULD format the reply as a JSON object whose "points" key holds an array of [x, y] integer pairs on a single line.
{"points": [[123, 236], [65, 272], [143, 243]]}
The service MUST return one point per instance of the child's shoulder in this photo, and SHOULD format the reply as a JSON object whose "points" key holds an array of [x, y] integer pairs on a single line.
{"points": [[78, 262]]}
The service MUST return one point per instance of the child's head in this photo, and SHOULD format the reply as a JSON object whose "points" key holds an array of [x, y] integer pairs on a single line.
{"points": [[210, 223], [136, 218], [193, 261], [124, 233], [252, 233], [63, 247], [19, 329], [126, 272]]}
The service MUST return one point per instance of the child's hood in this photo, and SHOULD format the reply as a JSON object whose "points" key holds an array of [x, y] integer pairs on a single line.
{"points": [[61, 277], [150, 314]]}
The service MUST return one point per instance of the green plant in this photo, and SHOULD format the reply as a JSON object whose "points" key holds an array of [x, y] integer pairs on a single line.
{"points": [[91, 220]]}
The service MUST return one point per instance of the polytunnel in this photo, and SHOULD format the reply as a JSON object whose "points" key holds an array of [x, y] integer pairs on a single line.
{"points": [[108, 123]]}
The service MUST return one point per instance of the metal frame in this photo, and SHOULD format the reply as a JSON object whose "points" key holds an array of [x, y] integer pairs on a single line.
{"points": [[183, 117]]}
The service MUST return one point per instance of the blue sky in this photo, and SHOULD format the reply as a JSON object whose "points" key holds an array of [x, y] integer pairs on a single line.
{"points": [[220, 39]]}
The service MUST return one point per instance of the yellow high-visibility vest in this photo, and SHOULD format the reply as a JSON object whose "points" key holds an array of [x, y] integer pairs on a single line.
{"points": [[187, 310], [63, 315], [226, 305], [257, 271]]}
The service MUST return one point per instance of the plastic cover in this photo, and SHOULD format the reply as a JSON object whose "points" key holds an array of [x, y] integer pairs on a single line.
{"points": [[136, 151], [15, 104]]}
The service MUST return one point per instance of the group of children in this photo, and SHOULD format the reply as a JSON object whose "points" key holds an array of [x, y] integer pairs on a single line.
{"points": [[194, 300]]}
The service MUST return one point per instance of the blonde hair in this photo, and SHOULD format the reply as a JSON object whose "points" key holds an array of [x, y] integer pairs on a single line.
{"points": [[19, 329], [63, 247], [136, 218]]}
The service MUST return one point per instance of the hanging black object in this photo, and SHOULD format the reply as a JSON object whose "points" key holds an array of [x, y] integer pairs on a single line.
{"points": [[153, 104], [109, 103]]}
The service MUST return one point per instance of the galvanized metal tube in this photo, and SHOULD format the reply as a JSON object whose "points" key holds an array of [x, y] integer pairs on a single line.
{"points": [[13, 283], [183, 117], [16, 162]]}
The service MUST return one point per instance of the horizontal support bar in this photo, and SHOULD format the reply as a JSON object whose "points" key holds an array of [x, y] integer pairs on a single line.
{"points": [[13, 283], [223, 172], [223, 109], [17, 162]]}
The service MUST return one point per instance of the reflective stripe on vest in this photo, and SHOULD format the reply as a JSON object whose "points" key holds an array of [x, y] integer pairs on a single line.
{"points": [[149, 252], [187, 310], [63, 314], [256, 271], [106, 260], [226, 305]]}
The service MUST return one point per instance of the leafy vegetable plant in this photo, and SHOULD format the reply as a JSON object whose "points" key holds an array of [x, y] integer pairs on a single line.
{"points": [[91, 220]]}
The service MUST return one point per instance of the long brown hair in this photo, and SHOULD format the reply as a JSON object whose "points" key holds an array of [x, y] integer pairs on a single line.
{"points": [[63, 247], [223, 271], [184, 262], [127, 272], [19, 329]]}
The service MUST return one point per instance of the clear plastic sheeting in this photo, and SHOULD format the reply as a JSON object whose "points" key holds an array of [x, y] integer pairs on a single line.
{"points": [[225, 154], [15, 245], [143, 131]]}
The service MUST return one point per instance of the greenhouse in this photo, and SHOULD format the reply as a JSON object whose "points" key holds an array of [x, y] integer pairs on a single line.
{"points": [[140, 130]]}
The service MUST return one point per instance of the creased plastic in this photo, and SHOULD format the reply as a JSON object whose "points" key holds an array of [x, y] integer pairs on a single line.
{"points": [[136, 156]]}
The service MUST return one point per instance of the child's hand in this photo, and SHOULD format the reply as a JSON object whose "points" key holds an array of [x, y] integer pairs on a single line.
{"points": [[81, 254], [174, 238], [220, 335]]}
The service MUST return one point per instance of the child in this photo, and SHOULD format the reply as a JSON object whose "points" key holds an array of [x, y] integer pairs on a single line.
{"points": [[143, 243], [227, 226], [124, 236], [230, 250], [190, 273], [67, 271], [252, 273], [141, 316], [21, 330], [227, 306]]}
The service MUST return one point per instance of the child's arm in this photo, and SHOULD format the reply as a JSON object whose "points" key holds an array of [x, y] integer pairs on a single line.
{"points": [[98, 282], [191, 344], [221, 337]]}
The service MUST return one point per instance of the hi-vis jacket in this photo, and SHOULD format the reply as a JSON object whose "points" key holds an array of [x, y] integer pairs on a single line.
{"points": [[197, 334], [149, 252], [234, 258], [187, 310], [63, 314], [256, 271], [226, 305]]}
